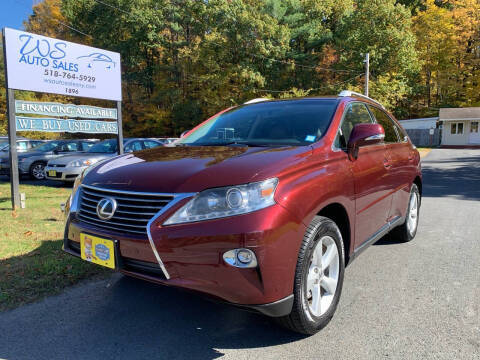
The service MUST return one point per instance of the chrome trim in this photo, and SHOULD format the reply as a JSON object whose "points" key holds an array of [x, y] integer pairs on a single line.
{"points": [[128, 192], [176, 198], [375, 137], [345, 93], [378, 235]]}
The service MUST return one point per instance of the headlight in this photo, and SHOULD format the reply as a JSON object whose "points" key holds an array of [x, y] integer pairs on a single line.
{"points": [[79, 163], [226, 201]]}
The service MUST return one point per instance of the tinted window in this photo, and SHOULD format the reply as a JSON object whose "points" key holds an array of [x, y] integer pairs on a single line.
{"points": [[149, 144], [71, 146], [292, 122], [356, 113], [133, 146], [22, 145], [387, 123], [106, 146], [86, 145], [49, 146]]}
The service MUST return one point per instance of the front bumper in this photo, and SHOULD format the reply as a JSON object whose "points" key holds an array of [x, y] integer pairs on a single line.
{"points": [[67, 173], [193, 256]]}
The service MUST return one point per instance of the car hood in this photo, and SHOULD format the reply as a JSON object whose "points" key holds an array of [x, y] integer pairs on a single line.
{"points": [[193, 169], [66, 159]]}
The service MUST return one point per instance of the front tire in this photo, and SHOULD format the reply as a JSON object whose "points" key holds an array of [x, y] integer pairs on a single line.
{"points": [[407, 231], [37, 170], [318, 278]]}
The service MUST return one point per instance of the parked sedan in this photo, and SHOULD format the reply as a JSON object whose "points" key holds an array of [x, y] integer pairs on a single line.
{"points": [[33, 162], [67, 168], [23, 144]]}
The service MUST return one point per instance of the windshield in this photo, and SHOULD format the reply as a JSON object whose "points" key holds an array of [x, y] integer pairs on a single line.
{"points": [[273, 123], [49, 146], [106, 146]]}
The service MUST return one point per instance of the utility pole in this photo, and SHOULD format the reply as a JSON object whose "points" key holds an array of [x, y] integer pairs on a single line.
{"points": [[367, 72]]}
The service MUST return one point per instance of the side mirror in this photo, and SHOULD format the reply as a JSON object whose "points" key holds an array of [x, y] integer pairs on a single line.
{"points": [[55, 151], [362, 135]]}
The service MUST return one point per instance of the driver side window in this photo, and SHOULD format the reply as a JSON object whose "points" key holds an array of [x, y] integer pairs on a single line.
{"points": [[356, 113]]}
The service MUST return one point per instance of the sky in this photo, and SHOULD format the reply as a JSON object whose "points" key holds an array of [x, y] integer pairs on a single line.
{"points": [[14, 12]]}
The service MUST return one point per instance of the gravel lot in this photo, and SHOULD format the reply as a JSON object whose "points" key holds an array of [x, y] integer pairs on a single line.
{"points": [[416, 300]]}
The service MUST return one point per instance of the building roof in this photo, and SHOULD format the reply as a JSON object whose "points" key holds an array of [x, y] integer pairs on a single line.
{"points": [[470, 113]]}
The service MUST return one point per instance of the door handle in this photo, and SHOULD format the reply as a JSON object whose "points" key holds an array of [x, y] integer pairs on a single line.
{"points": [[387, 164]]}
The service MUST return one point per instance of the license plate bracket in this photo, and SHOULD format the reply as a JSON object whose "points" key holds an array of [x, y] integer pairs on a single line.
{"points": [[98, 250]]}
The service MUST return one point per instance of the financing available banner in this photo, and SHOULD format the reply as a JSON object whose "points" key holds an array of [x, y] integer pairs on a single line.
{"points": [[67, 110], [65, 125], [43, 64]]}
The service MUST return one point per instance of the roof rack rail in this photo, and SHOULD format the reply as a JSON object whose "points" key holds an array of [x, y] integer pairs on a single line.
{"points": [[357, 94], [253, 101]]}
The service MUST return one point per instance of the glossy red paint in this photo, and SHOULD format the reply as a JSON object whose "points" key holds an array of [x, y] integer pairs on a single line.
{"points": [[371, 189]]}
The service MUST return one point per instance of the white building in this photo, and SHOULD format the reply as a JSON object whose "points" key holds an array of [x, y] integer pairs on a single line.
{"points": [[423, 123], [460, 126]]}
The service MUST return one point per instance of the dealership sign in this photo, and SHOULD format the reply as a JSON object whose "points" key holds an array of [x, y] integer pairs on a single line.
{"points": [[68, 110], [43, 64], [67, 125]]}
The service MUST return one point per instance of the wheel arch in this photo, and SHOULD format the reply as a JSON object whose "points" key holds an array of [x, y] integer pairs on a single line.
{"points": [[338, 214], [418, 181]]}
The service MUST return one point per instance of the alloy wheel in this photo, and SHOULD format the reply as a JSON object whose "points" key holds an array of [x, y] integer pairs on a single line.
{"points": [[38, 171], [322, 277], [412, 219]]}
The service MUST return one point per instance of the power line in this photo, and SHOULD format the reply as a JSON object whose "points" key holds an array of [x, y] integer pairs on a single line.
{"points": [[112, 6], [72, 28], [287, 62]]}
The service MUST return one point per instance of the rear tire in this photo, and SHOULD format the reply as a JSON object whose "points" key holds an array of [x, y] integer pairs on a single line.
{"points": [[318, 278], [407, 231]]}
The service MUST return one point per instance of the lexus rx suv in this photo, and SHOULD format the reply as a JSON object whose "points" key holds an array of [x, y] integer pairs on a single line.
{"points": [[261, 206]]}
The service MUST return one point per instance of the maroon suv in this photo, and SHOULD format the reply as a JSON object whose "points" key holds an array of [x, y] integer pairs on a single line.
{"points": [[261, 206]]}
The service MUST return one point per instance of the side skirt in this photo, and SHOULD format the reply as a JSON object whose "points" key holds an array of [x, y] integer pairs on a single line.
{"points": [[384, 230]]}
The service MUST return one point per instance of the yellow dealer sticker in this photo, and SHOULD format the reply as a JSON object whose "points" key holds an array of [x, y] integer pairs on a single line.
{"points": [[97, 250]]}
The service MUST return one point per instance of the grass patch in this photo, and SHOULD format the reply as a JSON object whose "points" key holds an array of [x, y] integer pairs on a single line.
{"points": [[32, 263]]}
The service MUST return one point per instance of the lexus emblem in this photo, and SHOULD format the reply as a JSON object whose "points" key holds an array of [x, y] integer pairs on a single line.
{"points": [[106, 208]]}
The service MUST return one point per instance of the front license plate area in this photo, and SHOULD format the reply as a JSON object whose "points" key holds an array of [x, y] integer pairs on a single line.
{"points": [[97, 250], [52, 173]]}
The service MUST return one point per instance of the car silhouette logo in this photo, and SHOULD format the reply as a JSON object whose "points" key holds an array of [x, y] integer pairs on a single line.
{"points": [[106, 208], [97, 59]]}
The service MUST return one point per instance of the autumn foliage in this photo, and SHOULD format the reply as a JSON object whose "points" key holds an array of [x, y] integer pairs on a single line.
{"points": [[183, 60]]}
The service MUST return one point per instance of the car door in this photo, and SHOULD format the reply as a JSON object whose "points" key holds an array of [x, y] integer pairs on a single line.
{"points": [[402, 158], [369, 170]]}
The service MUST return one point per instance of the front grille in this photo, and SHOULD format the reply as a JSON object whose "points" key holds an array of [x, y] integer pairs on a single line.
{"points": [[56, 165], [134, 210]]}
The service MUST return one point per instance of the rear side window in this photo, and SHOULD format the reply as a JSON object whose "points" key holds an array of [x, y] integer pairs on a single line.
{"points": [[22, 145], [356, 113], [133, 146], [387, 124], [150, 144], [86, 145]]}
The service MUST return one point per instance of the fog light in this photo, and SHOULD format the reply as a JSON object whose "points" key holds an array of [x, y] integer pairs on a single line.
{"points": [[242, 258]]}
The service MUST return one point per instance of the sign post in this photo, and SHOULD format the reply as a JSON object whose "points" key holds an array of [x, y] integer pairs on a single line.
{"points": [[42, 64]]}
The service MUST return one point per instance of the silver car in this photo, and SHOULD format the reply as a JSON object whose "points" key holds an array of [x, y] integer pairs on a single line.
{"points": [[67, 168]]}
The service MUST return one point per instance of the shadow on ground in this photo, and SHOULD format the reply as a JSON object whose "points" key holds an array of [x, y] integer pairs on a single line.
{"points": [[135, 319], [462, 172]]}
